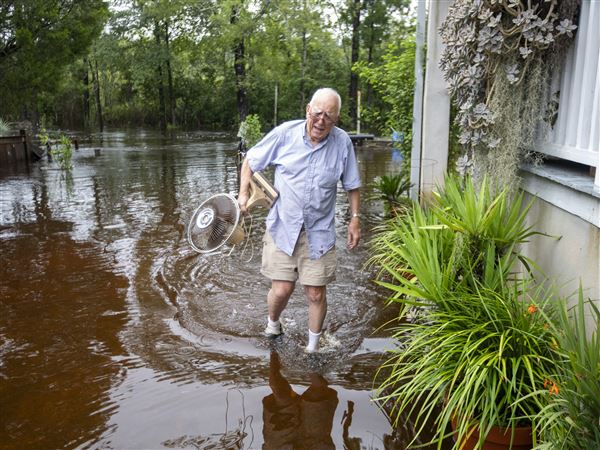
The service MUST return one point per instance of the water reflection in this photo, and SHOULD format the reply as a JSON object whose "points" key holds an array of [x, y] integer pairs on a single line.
{"points": [[58, 337], [292, 420]]}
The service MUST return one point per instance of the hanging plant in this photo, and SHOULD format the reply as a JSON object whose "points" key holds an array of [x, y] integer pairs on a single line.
{"points": [[497, 61]]}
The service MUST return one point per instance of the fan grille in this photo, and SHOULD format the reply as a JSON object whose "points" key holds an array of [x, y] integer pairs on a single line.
{"points": [[213, 223]]}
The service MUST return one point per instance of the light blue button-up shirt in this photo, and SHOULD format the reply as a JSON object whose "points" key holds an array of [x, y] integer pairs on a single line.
{"points": [[307, 179]]}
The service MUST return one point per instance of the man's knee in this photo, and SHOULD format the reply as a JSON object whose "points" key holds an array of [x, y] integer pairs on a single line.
{"points": [[282, 290], [315, 294]]}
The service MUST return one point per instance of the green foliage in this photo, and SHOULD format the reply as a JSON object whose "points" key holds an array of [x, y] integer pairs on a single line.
{"points": [[394, 81], [186, 50], [250, 131], [393, 190], [471, 343], [571, 419], [61, 150], [466, 239], [39, 40], [473, 357], [3, 126]]}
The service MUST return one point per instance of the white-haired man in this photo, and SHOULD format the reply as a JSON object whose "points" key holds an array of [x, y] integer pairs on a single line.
{"points": [[309, 156]]}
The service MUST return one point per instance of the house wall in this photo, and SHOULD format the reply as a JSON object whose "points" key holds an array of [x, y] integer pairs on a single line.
{"points": [[570, 255]]}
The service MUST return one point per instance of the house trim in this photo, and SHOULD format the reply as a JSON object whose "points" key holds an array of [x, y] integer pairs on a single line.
{"points": [[566, 186]]}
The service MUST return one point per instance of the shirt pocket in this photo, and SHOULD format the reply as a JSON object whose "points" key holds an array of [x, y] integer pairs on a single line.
{"points": [[327, 176]]}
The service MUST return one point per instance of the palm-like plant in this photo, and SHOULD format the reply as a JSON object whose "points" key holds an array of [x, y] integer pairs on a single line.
{"points": [[478, 346], [3, 126], [466, 239], [393, 190]]}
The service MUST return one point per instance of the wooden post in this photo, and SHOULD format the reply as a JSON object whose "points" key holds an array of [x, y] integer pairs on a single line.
{"points": [[357, 112], [24, 142], [275, 107]]}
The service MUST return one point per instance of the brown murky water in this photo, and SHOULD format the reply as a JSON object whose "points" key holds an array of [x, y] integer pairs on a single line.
{"points": [[114, 333]]}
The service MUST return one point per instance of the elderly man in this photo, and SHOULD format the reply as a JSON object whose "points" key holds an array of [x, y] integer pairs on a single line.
{"points": [[310, 157]]}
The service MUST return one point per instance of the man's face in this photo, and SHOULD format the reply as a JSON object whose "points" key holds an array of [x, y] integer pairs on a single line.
{"points": [[321, 117]]}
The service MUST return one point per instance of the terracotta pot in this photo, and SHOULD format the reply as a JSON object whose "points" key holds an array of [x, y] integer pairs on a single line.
{"points": [[498, 439]]}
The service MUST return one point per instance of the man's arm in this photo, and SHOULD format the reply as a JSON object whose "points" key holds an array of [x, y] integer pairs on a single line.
{"points": [[354, 225], [244, 194]]}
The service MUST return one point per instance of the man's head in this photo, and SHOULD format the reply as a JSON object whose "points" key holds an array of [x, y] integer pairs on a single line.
{"points": [[322, 113]]}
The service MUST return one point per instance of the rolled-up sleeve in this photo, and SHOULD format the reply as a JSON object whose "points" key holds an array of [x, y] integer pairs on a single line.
{"points": [[264, 152], [351, 175]]}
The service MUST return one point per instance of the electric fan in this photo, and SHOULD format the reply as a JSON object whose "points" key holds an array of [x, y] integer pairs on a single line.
{"points": [[216, 221]]}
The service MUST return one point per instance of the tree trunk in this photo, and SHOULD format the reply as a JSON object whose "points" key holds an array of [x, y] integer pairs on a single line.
{"points": [[303, 67], [369, 61], [86, 94], [96, 82], [35, 115], [162, 112], [170, 77], [240, 80], [352, 92], [239, 66]]}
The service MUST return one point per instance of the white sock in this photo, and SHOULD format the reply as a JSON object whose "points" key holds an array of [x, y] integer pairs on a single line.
{"points": [[273, 323], [313, 341]]}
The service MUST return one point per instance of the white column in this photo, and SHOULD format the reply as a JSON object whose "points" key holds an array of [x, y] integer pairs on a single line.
{"points": [[436, 106], [417, 122]]}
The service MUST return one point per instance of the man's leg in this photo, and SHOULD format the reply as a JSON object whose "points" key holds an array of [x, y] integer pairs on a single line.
{"points": [[317, 309], [277, 300], [278, 297]]}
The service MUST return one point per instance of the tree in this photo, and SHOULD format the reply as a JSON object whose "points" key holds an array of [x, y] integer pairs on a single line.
{"points": [[140, 63], [394, 82], [200, 63], [297, 52], [38, 40], [367, 22]]}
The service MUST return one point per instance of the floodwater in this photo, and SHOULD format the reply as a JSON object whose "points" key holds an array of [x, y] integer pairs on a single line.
{"points": [[114, 333]]}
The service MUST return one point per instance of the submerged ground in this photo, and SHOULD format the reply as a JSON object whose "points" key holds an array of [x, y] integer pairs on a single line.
{"points": [[114, 333]]}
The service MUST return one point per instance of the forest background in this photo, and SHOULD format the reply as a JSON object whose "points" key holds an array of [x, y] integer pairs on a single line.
{"points": [[204, 64]]}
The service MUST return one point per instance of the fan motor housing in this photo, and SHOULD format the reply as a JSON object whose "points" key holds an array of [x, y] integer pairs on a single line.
{"points": [[205, 217]]}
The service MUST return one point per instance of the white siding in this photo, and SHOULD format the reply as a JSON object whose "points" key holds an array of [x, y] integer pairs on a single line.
{"points": [[576, 133]]}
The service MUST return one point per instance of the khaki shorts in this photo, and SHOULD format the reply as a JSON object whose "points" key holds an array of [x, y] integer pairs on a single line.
{"points": [[276, 265]]}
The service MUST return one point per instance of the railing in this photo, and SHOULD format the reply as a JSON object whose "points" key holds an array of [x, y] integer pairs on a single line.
{"points": [[575, 135]]}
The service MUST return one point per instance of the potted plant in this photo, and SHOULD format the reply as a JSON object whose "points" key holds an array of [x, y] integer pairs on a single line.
{"points": [[393, 190], [477, 350]]}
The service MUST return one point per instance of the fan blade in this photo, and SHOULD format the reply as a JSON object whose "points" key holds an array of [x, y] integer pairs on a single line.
{"points": [[221, 230]]}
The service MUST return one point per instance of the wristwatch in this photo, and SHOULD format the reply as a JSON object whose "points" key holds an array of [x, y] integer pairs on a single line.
{"points": [[355, 215]]}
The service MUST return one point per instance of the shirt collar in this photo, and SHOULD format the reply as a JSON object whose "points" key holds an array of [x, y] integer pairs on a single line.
{"points": [[307, 138]]}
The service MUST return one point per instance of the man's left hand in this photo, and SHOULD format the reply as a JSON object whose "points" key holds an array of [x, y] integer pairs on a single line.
{"points": [[353, 233]]}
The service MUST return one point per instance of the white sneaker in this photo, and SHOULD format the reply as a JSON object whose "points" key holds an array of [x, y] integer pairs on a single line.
{"points": [[309, 350], [273, 331]]}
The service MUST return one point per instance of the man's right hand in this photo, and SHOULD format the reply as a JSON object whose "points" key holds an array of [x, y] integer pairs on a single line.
{"points": [[242, 201]]}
